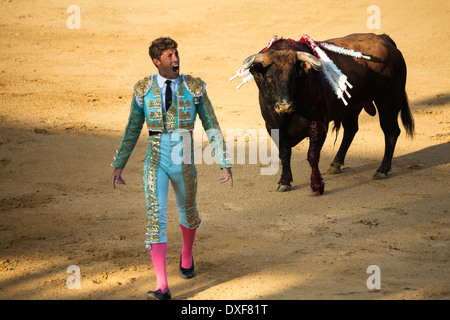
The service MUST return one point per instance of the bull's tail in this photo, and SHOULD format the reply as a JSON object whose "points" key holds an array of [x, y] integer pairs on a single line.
{"points": [[405, 111], [406, 116]]}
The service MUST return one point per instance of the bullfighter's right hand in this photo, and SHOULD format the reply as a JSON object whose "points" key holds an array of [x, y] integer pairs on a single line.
{"points": [[117, 177]]}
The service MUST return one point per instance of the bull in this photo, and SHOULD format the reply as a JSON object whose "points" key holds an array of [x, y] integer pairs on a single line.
{"points": [[296, 99]]}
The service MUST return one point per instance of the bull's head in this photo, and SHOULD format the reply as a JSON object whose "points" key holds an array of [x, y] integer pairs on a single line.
{"points": [[278, 74]]}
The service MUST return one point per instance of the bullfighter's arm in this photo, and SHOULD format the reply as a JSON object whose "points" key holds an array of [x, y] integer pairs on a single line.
{"points": [[131, 135], [211, 126]]}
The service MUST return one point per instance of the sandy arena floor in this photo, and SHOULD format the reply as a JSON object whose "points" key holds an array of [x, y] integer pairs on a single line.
{"points": [[65, 97]]}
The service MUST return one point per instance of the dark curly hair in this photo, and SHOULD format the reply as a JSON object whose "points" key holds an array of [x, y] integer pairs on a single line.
{"points": [[159, 45]]}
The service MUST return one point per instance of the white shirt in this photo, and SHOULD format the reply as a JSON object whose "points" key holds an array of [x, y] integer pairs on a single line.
{"points": [[162, 85]]}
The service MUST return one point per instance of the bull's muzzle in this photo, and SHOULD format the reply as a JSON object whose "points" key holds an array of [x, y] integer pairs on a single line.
{"points": [[283, 107]]}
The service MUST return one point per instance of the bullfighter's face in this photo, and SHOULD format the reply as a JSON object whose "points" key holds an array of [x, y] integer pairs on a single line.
{"points": [[168, 64]]}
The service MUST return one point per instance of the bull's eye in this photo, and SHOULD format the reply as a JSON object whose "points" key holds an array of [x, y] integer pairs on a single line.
{"points": [[259, 68]]}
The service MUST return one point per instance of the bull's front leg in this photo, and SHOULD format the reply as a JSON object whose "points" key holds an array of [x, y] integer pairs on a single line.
{"points": [[317, 133], [285, 153]]}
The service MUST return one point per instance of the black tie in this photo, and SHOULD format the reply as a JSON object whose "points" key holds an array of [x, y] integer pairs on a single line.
{"points": [[168, 94]]}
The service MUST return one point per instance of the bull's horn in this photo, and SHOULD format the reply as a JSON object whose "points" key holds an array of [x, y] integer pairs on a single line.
{"points": [[258, 58], [315, 63]]}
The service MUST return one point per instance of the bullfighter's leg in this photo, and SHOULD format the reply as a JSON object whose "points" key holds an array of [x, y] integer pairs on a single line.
{"points": [[350, 124], [317, 134], [388, 113]]}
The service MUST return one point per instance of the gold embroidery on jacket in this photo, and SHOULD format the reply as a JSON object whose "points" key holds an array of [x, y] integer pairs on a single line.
{"points": [[141, 88], [179, 115]]}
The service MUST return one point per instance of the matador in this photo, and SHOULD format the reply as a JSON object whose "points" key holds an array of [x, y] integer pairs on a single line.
{"points": [[169, 103]]}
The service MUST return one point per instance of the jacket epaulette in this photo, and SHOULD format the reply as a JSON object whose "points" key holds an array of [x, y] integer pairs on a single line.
{"points": [[141, 88], [196, 86]]}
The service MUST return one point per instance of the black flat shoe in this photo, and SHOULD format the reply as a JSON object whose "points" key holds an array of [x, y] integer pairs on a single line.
{"points": [[158, 295], [187, 273]]}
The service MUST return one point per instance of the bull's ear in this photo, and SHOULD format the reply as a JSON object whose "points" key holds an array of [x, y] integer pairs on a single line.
{"points": [[313, 61], [306, 66]]}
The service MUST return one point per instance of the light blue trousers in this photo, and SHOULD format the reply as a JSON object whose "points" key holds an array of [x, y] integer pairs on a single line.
{"points": [[163, 164]]}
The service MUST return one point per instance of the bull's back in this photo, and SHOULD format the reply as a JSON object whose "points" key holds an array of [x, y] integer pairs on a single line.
{"points": [[364, 42], [386, 60]]}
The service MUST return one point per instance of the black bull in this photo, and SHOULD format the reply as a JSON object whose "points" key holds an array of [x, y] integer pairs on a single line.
{"points": [[296, 99]]}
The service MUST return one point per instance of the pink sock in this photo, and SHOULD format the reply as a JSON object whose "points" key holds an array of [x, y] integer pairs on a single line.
{"points": [[159, 254], [188, 245]]}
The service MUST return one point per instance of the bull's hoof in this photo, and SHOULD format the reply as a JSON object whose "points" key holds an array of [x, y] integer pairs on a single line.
{"points": [[380, 176], [284, 187], [318, 190], [335, 168]]}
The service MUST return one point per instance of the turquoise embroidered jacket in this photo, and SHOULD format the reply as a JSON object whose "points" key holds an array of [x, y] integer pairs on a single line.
{"points": [[190, 99]]}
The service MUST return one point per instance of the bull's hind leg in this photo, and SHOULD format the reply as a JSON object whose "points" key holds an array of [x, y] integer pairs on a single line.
{"points": [[317, 133], [388, 111], [350, 124]]}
